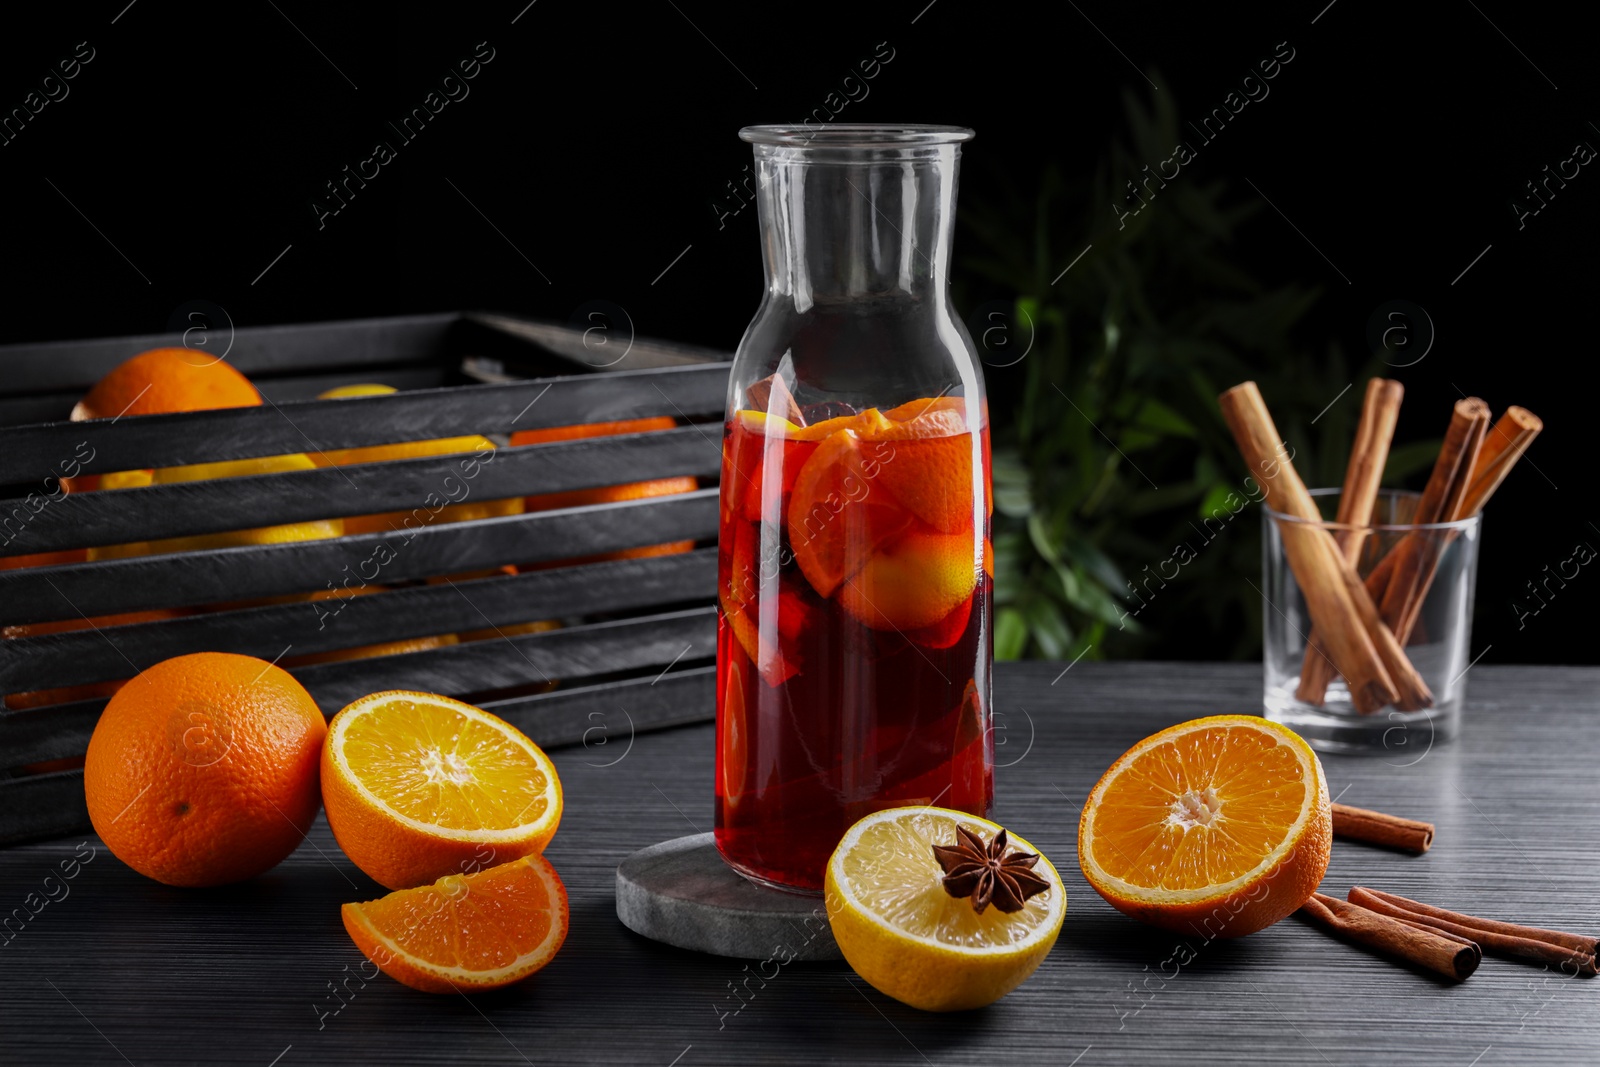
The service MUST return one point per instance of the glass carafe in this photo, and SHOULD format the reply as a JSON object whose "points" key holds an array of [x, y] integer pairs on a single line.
{"points": [[855, 569]]}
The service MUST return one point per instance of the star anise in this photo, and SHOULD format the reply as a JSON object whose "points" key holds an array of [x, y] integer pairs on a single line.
{"points": [[988, 872]]}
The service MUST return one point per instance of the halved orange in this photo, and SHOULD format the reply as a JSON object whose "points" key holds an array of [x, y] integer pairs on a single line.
{"points": [[418, 786], [1217, 827], [481, 930]]}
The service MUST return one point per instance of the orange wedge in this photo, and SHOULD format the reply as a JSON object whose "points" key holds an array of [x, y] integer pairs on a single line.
{"points": [[418, 786], [1217, 827], [465, 932]]}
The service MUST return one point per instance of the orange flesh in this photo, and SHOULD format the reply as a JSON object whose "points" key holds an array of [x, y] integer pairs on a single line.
{"points": [[480, 922], [471, 777], [1201, 809], [886, 499]]}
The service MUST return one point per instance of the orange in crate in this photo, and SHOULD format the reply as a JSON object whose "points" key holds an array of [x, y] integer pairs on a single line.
{"points": [[39, 698], [609, 494], [159, 381], [471, 444]]}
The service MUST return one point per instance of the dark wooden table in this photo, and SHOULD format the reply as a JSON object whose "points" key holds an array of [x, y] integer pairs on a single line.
{"points": [[114, 968]]}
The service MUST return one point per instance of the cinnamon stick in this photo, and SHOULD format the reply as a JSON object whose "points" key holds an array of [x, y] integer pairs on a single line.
{"points": [[1380, 828], [1313, 556], [1416, 555], [1500, 938], [1380, 410], [772, 396], [1503, 446], [1441, 498], [1511, 437], [1443, 953]]}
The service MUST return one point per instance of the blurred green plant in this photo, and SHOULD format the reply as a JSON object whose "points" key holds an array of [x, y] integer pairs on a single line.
{"points": [[1112, 466]]}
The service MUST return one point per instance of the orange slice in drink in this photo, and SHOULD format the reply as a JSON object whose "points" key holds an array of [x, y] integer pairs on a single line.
{"points": [[914, 582], [913, 409], [770, 646], [469, 932], [418, 786], [929, 467], [1218, 827], [882, 514], [836, 521]]}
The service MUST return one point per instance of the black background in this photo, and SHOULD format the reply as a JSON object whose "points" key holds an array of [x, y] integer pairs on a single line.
{"points": [[588, 156]]}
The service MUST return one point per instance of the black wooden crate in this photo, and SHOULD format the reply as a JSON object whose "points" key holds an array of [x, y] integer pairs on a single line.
{"points": [[638, 648]]}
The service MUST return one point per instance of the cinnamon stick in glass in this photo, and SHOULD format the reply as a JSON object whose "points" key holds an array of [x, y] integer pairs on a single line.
{"points": [[1381, 828], [1355, 637], [1416, 555], [1506, 443], [1441, 498], [1554, 947], [1380, 410], [1443, 953], [1313, 556]]}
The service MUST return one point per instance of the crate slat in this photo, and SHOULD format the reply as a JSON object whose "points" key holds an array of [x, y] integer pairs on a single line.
{"points": [[214, 505], [574, 653], [39, 734], [42, 805], [213, 576], [257, 350], [33, 452], [603, 718], [653, 642], [81, 656]]}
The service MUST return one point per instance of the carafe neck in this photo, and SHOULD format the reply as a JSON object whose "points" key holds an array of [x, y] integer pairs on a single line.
{"points": [[856, 222]]}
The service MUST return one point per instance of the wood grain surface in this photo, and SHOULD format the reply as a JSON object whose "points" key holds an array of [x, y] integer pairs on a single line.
{"points": [[103, 966]]}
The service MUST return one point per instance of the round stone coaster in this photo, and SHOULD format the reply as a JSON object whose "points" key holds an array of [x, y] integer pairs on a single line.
{"points": [[681, 893]]}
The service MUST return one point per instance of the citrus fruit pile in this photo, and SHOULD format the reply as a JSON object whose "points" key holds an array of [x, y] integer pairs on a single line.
{"points": [[168, 380], [940, 909], [209, 768], [609, 494], [1220, 826], [442, 446]]}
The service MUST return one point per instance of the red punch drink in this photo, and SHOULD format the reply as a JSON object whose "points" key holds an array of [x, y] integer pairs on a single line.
{"points": [[853, 638], [854, 626]]}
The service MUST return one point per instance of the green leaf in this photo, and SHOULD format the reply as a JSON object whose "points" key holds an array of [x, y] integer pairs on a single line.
{"points": [[1010, 634], [1410, 459], [1048, 628], [1154, 415]]}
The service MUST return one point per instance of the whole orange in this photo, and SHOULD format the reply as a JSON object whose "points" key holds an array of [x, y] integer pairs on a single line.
{"points": [[166, 379], [612, 493], [203, 769]]}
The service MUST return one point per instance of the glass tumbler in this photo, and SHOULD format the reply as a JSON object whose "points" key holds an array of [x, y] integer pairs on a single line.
{"points": [[1432, 568], [854, 625]]}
